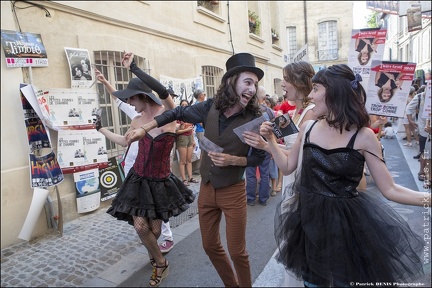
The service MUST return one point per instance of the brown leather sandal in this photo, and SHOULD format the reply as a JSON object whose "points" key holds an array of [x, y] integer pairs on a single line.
{"points": [[156, 277], [192, 180]]}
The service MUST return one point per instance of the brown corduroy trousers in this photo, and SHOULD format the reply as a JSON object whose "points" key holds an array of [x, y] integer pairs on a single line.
{"points": [[231, 201]]}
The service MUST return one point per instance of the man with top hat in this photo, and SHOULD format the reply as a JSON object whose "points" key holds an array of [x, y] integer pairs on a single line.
{"points": [[150, 193], [222, 188]]}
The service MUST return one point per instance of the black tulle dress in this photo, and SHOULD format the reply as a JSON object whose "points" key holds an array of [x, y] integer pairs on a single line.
{"points": [[337, 235], [150, 190]]}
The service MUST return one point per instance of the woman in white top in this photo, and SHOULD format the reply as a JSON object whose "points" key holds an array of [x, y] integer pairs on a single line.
{"points": [[297, 85]]}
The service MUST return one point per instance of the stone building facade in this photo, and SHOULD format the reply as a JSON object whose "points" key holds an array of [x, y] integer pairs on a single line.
{"points": [[181, 39]]}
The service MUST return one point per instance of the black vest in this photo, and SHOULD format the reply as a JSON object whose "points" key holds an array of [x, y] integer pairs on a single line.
{"points": [[224, 176]]}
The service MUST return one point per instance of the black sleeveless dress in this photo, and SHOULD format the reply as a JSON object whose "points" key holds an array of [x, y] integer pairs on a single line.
{"points": [[337, 235], [150, 190]]}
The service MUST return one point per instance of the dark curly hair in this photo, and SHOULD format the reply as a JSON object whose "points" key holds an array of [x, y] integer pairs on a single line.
{"points": [[227, 97], [346, 104]]}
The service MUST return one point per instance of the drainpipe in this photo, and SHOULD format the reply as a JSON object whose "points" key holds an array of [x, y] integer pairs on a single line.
{"points": [[305, 21]]}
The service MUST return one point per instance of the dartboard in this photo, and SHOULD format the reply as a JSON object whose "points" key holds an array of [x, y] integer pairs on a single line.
{"points": [[108, 179]]}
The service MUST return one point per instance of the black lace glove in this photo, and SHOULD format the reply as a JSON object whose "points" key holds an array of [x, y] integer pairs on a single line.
{"points": [[151, 82]]}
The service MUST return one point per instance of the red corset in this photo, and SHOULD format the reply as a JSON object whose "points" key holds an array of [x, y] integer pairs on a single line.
{"points": [[153, 159]]}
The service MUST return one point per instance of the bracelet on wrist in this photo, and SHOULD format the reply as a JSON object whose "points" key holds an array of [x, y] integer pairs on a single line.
{"points": [[142, 127]]}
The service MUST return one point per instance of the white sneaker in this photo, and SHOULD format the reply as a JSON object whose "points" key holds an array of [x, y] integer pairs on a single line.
{"points": [[409, 144], [166, 246]]}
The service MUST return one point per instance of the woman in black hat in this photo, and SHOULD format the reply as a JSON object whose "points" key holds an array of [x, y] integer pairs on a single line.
{"points": [[222, 187], [150, 193]]}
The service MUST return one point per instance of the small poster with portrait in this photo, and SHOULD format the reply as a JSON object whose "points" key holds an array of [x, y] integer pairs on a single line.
{"points": [[366, 45], [284, 126], [388, 88], [79, 67]]}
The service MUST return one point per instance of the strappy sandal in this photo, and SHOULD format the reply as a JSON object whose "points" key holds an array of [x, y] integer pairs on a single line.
{"points": [[152, 262], [185, 182], [156, 279], [192, 180]]}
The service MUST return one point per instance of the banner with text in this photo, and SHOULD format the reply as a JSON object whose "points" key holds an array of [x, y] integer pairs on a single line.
{"points": [[23, 49]]}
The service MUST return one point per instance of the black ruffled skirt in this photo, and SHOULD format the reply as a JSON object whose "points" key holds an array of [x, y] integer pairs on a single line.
{"points": [[331, 241], [150, 198]]}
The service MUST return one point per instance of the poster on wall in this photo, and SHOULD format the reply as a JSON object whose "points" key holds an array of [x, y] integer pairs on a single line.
{"points": [[111, 179], [184, 88], [44, 170], [79, 67], [28, 110], [366, 45], [23, 49], [81, 148], [68, 107], [87, 190], [388, 88], [37, 134]]}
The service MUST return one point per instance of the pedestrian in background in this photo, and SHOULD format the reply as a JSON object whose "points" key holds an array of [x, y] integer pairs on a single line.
{"points": [[223, 186], [199, 96], [419, 125], [264, 168], [275, 173], [185, 146]]}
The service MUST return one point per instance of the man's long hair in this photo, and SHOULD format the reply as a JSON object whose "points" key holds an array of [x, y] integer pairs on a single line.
{"points": [[227, 97]]}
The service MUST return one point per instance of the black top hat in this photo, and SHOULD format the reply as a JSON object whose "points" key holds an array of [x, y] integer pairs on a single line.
{"points": [[242, 62], [135, 87]]}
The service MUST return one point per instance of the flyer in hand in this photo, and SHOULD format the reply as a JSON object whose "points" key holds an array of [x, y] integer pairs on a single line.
{"points": [[284, 126]]}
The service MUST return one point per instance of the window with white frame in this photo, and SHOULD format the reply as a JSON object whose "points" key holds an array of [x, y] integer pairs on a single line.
{"points": [[115, 120], [291, 42], [212, 77], [327, 41]]}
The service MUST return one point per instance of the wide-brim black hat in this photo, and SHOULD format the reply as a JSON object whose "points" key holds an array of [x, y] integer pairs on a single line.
{"points": [[171, 92], [135, 87], [242, 62]]}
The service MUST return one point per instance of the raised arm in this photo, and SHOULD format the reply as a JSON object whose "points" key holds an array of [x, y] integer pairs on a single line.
{"points": [[129, 63], [104, 81], [129, 110]]}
